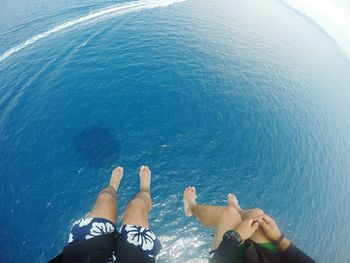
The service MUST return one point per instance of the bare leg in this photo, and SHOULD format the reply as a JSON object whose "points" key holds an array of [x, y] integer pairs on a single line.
{"points": [[259, 236], [138, 209], [222, 218], [106, 203]]}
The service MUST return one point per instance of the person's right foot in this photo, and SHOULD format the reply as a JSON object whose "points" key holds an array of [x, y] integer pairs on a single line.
{"points": [[145, 178], [116, 177], [189, 200], [233, 201]]}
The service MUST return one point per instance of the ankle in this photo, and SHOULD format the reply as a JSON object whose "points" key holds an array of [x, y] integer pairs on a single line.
{"points": [[145, 190], [112, 187]]}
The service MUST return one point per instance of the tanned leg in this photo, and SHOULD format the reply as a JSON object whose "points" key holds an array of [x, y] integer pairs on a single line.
{"points": [[106, 203], [222, 218], [259, 236], [138, 209]]}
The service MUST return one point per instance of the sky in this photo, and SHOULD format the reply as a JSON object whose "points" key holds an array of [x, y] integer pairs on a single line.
{"points": [[332, 15]]}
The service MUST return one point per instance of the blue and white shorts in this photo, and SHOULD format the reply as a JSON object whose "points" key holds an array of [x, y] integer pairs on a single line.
{"points": [[141, 237]]}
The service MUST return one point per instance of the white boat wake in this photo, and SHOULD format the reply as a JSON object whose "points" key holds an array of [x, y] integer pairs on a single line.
{"points": [[105, 12]]}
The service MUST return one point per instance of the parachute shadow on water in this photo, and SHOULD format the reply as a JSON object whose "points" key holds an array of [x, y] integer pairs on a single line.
{"points": [[96, 146]]}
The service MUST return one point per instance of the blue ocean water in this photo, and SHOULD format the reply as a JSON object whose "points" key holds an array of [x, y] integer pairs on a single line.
{"points": [[245, 97]]}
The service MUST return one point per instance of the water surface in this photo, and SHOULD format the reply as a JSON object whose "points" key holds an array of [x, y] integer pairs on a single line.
{"points": [[229, 96]]}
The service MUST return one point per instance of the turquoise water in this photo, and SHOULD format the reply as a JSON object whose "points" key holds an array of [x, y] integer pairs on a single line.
{"points": [[243, 97]]}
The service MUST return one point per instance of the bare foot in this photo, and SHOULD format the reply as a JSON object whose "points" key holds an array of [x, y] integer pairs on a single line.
{"points": [[233, 201], [189, 200], [145, 178], [116, 177]]}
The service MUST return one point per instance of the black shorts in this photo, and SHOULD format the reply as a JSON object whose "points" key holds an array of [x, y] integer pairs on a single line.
{"points": [[96, 240], [139, 238]]}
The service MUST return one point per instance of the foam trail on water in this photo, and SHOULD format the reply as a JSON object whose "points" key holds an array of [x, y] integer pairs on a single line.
{"points": [[112, 10]]}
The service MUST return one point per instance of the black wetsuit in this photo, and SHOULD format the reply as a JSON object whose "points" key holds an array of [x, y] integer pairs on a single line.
{"points": [[226, 253]]}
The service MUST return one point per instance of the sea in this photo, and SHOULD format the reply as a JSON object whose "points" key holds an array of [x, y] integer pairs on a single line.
{"points": [[244, 97]]}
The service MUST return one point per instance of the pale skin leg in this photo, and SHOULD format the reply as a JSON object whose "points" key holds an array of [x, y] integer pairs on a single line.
{"points": [[258, 236], [106, 202], [138, 209], [222, 218]]}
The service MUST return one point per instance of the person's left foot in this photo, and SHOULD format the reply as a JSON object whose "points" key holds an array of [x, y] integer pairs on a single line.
{"points": [[116, 177], [145, 178], [233, 201]]}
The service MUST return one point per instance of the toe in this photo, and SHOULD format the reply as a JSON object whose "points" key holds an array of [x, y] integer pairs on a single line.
{"points": [[118, 170]]}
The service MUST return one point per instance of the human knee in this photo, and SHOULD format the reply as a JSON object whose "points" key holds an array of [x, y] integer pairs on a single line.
{"points": [[140, 203], [256, 212], [230, 212], [106, 195], [229, 217]]}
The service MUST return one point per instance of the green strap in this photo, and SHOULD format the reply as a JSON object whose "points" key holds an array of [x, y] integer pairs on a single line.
{"points": [[242, 248], [269, 246]]}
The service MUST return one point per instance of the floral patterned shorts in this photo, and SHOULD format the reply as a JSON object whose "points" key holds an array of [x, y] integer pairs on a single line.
{"points": [[138, 236]]}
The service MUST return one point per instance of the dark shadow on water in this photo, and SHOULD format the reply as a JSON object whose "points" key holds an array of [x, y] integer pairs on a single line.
{"points": [[96, 146]]}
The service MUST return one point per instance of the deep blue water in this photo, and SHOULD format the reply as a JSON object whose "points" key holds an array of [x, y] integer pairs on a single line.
{"points": [[230, 96]]}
